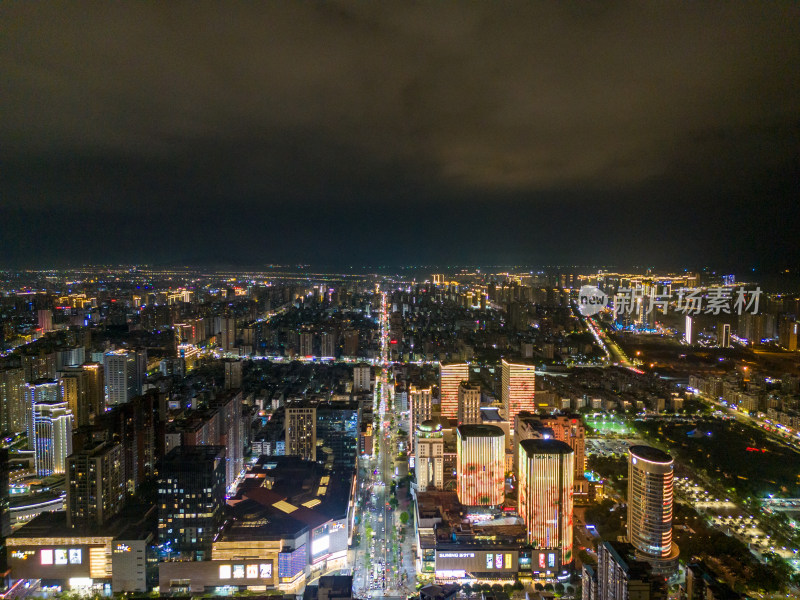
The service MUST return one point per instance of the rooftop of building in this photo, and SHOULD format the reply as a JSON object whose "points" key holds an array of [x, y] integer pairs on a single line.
{"points": [[455, 528], [96, 449], [439, 592], [474, 431], [33, 500], [650, 454], [720, 589], [284, 495], [54, 525], [491, 414], [182, 454], [435, 424], [520, 362], [37, 382], [624, 554], [545, 446], [332, 586]]}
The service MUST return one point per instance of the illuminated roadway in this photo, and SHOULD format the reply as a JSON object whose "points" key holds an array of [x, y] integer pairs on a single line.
{"points": [[614, 353], [379, 575]]}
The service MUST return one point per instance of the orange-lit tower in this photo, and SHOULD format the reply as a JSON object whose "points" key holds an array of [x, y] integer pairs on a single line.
{"points": [[545, 495], [519, 385], [450, 377], [481, 465]]}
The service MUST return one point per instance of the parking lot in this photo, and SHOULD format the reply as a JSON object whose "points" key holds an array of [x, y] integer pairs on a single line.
{"points": [[728, 517], [610, 447]]}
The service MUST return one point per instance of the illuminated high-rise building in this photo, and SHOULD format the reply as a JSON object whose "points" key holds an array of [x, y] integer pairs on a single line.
{"points": [[38, 365], [191, 500], [74, 384], [301, 432], [450, 377], [52, 425], [518, 389], [233, 374], [619, 575], [690, 330], [225, 331], [469, 403], [429, 455], [70, 357], [95, 388], [124, 373], [420, 408], [12, 399], [327, 344], [480, 464], [724, 335], [351, 342], [546, 468], [650, 476], [788, 334], [306, 344], [362, 378], [337, 429], [570, 430], [40, 391], [44, 319], [95, 484]]}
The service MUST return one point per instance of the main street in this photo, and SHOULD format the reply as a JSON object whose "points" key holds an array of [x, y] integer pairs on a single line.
{"points": [[378, 570]]}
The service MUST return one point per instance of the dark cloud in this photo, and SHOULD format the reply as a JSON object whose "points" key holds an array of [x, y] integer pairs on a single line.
{"points": [[296, 127]]}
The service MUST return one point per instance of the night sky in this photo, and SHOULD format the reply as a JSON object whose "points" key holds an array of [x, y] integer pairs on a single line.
{"points": [[400, 133]]}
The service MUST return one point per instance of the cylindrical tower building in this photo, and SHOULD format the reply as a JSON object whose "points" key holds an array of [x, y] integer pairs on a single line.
{"points": [[650, 474]]}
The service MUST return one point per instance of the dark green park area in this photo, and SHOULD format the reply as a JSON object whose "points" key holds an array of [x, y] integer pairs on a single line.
{"points": [[737, 456]]}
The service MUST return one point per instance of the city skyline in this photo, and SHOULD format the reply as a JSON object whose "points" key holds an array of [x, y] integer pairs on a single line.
{"points": [[190, 430]]}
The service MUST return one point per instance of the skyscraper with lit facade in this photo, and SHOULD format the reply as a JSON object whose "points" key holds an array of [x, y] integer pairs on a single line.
{"points": [[420, 408], [124, 373], [518, 389], [52, 426], [95, 388], [480, 464], [429, 457], [191, 500], [12, 403], [39, 391], [546, 468], [95, 484], [469, 403], [650, 477], [450, 377], [301, 432], [570, 430]]}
